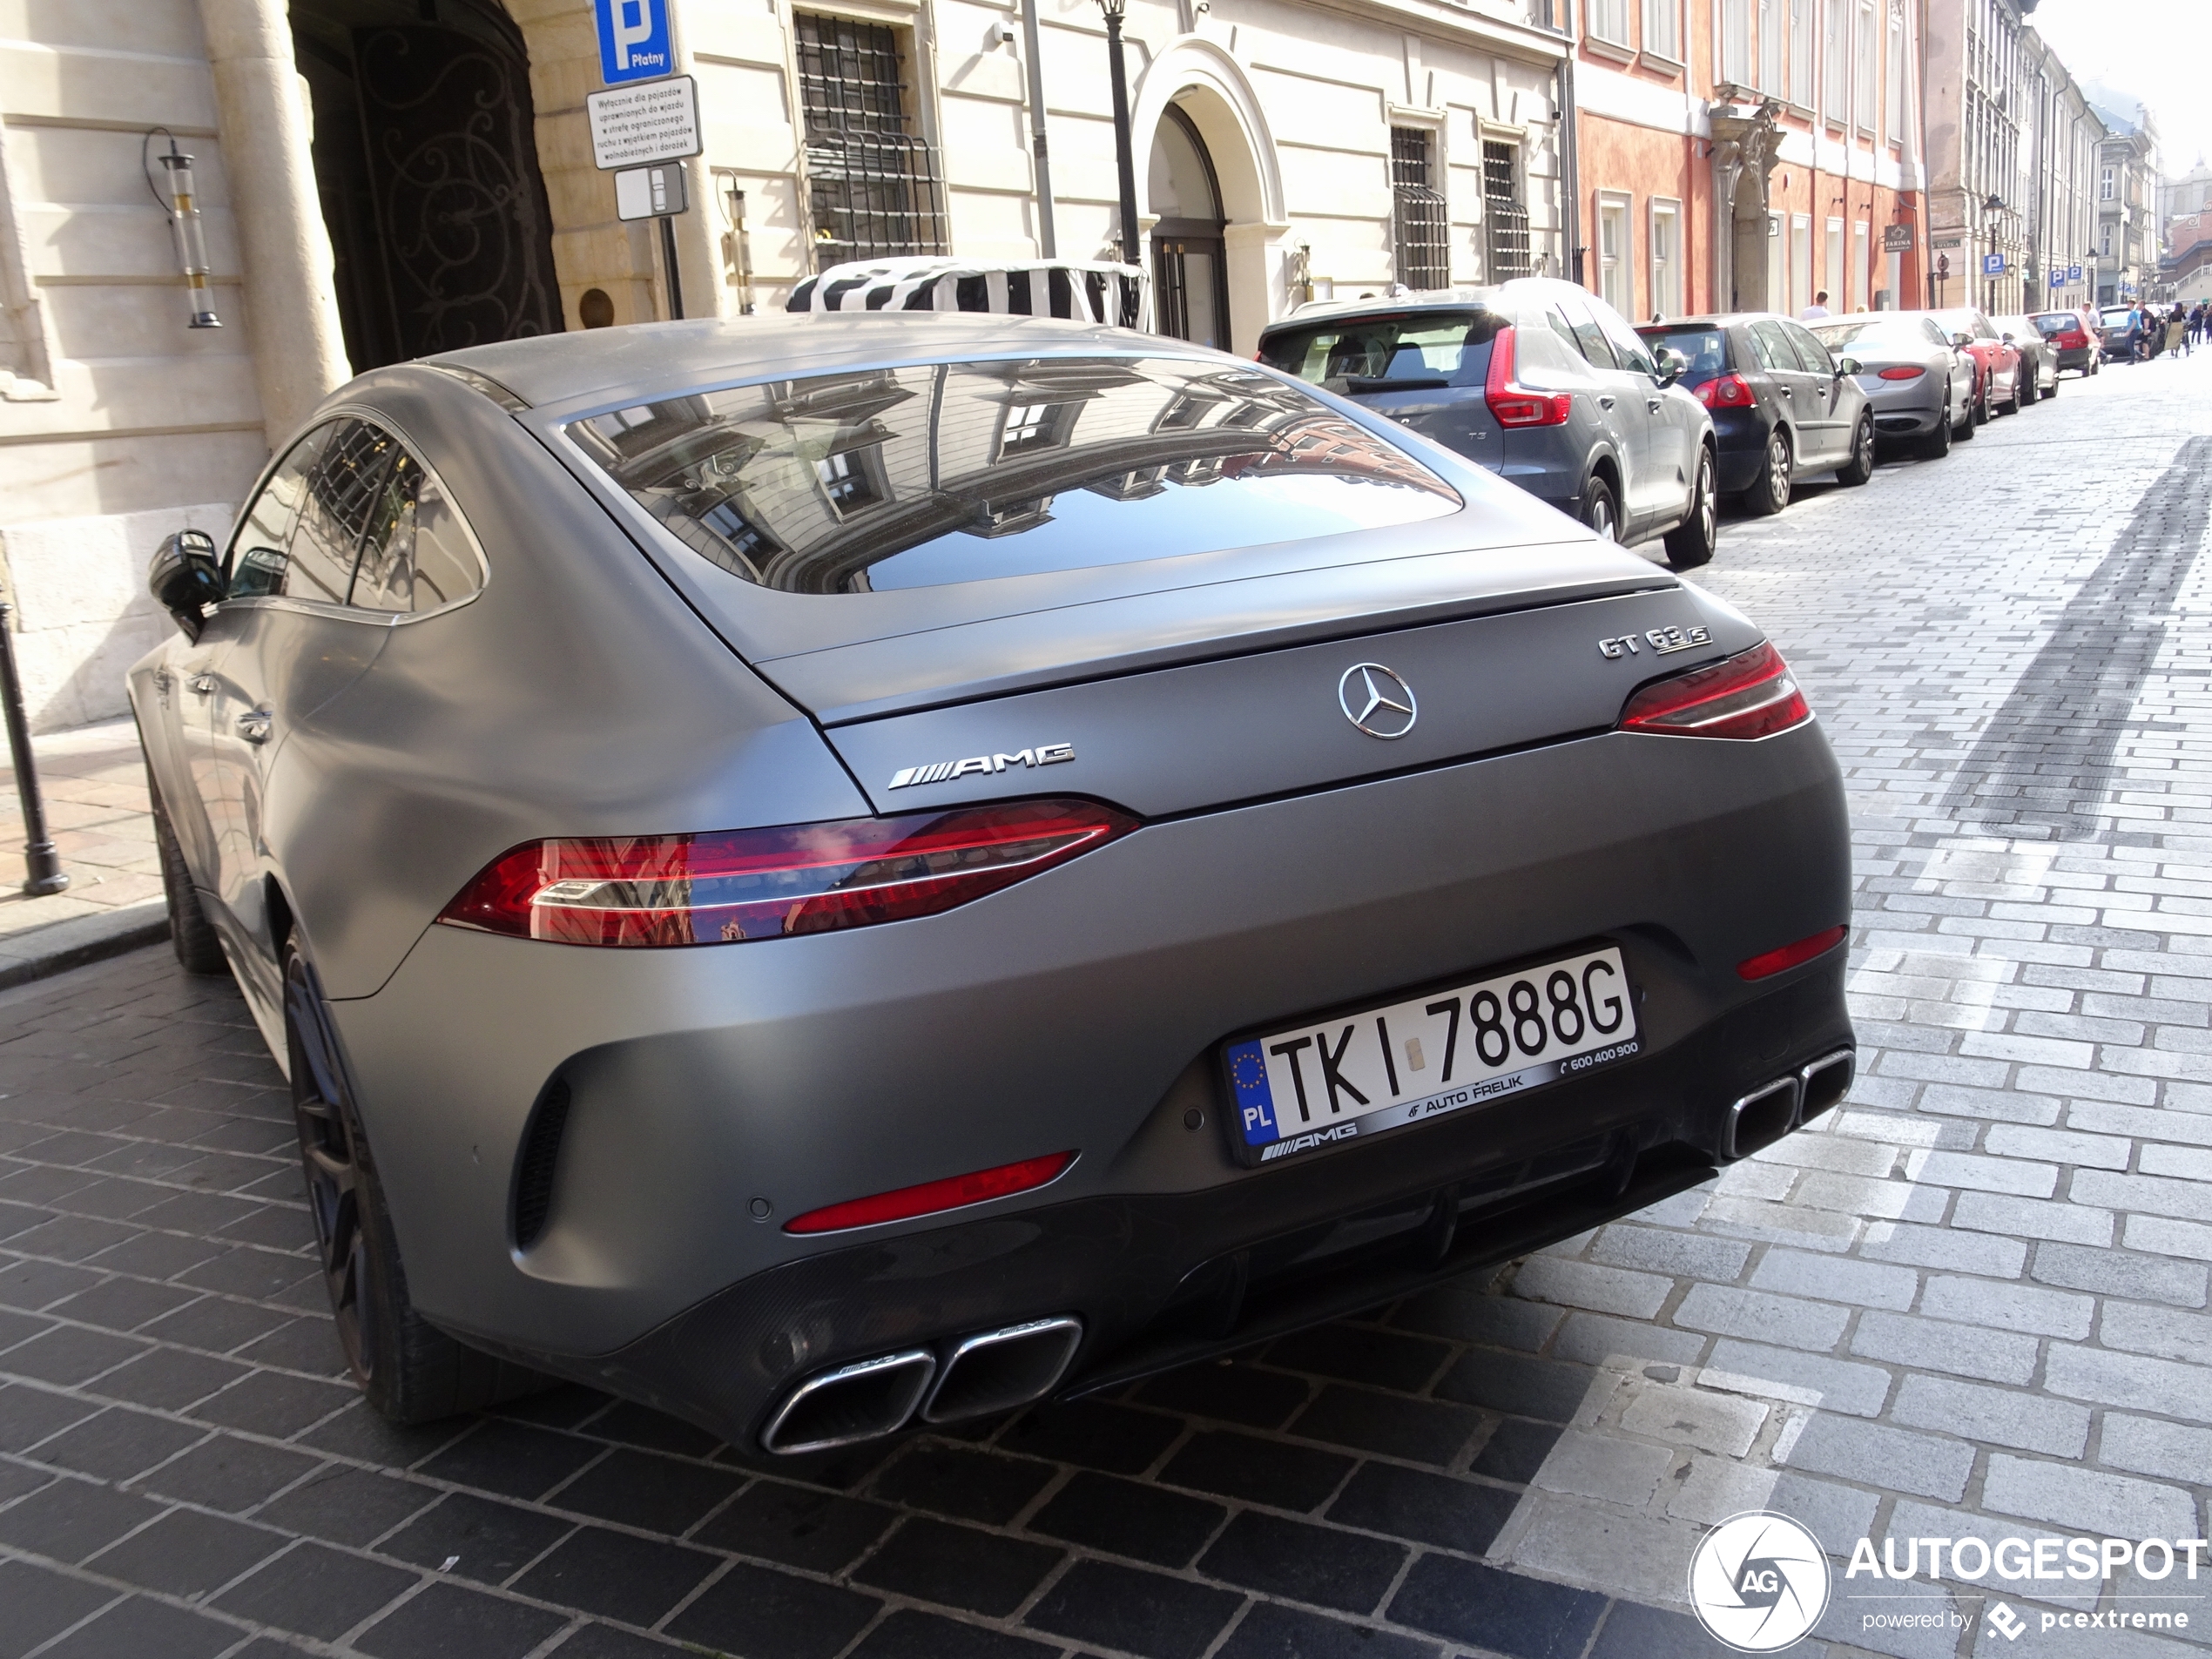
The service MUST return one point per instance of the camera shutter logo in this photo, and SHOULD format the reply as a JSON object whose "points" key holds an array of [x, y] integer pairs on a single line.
{"points": [[1758, 1581]]}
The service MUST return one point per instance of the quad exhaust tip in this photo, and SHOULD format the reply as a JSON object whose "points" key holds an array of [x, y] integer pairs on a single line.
{"points": [[993, 1371], [855, 1402], [1771, 1110], [1002, 1369]]}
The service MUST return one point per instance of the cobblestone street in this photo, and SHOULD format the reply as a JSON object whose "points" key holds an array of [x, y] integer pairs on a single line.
{"points": [[1970, 1302]]}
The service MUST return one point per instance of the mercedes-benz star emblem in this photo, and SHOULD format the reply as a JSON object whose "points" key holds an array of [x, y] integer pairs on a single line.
{"points": [[1377, 700]]}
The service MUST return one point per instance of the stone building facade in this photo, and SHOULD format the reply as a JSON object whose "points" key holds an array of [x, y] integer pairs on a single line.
{"points": [[385, 178], [2128, 229], [1748, 154], [2011, 141]]}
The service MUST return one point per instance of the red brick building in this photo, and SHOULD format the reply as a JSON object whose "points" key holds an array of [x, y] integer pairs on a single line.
{"points": [[1748, 154]]}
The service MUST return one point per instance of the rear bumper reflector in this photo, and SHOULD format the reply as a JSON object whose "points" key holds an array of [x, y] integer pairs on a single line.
{"points": [[955, 1192], [1768, 964]]}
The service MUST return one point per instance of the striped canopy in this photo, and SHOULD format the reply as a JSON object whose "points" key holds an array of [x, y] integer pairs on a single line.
{"points": [[1084, 293]]}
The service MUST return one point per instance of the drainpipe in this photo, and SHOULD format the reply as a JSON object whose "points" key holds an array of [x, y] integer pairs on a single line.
{"points": [[262, 116], [1048, 243], [1570, 168]]}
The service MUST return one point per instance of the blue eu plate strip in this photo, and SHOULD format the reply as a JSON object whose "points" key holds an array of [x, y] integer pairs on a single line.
{"points": [[1255, 1104]]}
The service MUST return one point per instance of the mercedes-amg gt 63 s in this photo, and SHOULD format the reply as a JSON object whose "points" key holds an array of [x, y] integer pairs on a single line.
{"points": [[831, 872]]}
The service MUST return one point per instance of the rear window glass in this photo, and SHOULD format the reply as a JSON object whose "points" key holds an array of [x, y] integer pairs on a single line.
{"points": [[1706, 348], [2055, 323], [960, 472], [1839, 336], [1388, 354]]}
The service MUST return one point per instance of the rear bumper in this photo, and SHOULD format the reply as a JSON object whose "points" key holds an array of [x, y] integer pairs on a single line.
{"points": [[2077, 357], [1081, 1011], [1160, 1280], [1740, 438]]}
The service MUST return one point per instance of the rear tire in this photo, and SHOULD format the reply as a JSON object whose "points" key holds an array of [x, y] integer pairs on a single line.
{"points": [[191, 934], [1981, 406], [1937, 442], [2026, 389], [2052, 390], [1601, 508], [1770, 492], [410, 1371], [1690, 543], [1860, 466]]}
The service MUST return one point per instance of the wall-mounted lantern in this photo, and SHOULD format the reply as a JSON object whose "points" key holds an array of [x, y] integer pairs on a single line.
{"points": [[182, 204]]}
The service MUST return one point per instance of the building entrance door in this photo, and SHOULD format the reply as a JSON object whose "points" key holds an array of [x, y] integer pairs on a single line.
{"points": [[1190, 260], [426, 159]]}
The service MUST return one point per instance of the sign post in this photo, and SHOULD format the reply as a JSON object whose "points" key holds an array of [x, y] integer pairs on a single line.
{"points": [[645, 117]]}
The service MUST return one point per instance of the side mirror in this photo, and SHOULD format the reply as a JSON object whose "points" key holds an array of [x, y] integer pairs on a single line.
{"points": [[185, 577], [1849, 366], [1962, 340], [1672, 366]]}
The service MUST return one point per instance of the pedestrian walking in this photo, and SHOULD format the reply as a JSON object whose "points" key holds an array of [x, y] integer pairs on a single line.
{"points": [[2176, 325], [1818, 308]]}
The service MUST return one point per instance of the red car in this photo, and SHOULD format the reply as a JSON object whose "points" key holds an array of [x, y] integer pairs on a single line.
{"points": [[1997, 365], [2075, 336]]}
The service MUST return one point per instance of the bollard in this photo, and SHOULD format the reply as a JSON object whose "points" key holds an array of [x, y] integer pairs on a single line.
{"points": [[43, 865]]}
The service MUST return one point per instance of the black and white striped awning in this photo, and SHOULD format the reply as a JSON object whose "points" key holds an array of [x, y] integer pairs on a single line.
{"points": [[1082, 293]]}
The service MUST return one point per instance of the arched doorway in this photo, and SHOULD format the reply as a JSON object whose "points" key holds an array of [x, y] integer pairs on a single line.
{"points": [[1189, 258], [426, 161]]}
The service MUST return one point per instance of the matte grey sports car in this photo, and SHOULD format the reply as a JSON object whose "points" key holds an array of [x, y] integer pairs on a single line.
{"points": [[825, 871]]}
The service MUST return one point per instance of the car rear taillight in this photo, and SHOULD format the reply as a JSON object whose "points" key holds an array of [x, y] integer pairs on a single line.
{"points": [[1903, 371], [955, 1192], [1750, 695], [1516, 406], [727, 886], [1727, 392]]}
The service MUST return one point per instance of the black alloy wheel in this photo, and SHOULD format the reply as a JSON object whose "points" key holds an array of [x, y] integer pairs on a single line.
{"points": [[328, 1155], [410, 1371], [1860, 466], [1981, 405], [1690, 543], [1936, 443], [1770, 491], [191, 934], [1600, 510]]}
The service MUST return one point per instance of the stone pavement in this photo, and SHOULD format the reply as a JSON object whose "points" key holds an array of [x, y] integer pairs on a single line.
{"points": [[1973, 1303], [94, 785]]}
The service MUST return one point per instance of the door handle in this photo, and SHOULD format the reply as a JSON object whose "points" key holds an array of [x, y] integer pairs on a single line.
{"points": [[254, 725], [1652, 403], [1605, 402], [1785, 391], [201, 684]]}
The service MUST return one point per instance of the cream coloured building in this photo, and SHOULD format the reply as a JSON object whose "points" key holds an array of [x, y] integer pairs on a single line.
{"points": [[384, 178]]}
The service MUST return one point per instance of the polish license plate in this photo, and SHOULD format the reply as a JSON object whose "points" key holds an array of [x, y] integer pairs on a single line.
{"points": [[1355, 1074]]}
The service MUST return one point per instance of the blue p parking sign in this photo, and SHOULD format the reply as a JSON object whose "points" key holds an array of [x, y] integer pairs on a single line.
{"points": [[633, 40]]}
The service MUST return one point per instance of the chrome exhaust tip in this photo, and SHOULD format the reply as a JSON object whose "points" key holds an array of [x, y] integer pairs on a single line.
{"points": [[1002, 1369], [1827, 1081], [856, 1402], [1761, 1118]]}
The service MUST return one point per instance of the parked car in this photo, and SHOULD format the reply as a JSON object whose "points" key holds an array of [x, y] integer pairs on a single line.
{"points": [[2123, 333], [829, 871], [1540, 381], [1783, 408], [2076, 337], [1997, 364], [1920, 386], [2039, 372]]}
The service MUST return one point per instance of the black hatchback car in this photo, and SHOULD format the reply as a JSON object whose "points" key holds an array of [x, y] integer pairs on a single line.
{"points": [[1783, 407]]}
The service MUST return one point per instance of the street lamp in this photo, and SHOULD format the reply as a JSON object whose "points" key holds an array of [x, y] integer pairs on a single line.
{"points": [[182, 204], [1116, 10]]}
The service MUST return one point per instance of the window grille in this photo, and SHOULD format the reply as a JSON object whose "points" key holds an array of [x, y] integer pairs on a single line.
{"points": [[1505, 219], [874, 183], [1420, 226]]}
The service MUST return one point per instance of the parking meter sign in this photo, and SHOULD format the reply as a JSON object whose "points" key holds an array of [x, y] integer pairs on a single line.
{"points": [[634, 43]]}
